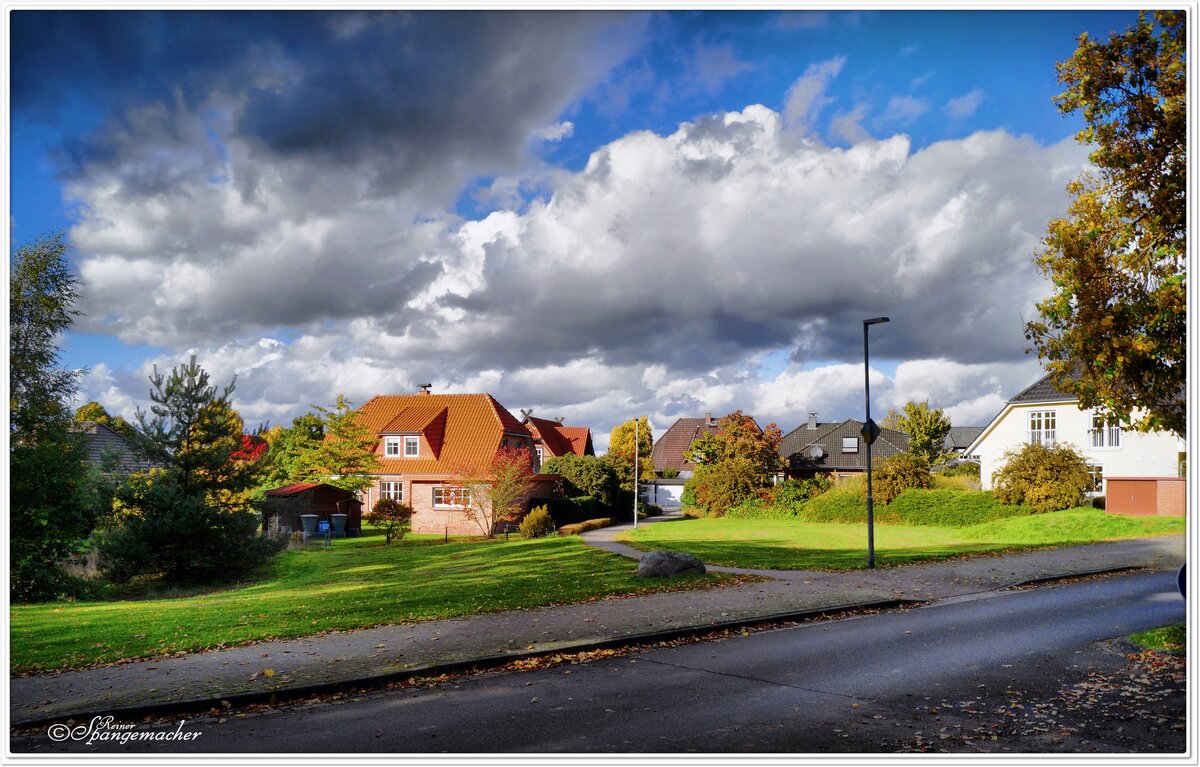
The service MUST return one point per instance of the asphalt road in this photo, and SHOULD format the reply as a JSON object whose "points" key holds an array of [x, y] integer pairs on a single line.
{"points": [[862, 684]]}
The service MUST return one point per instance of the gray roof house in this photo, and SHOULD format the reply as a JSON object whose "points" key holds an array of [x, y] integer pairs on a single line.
{"points": [[961, 437], [103, 443], [835, 448]]}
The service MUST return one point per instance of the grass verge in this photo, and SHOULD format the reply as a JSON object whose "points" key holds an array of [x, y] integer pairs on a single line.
{"points": [[356, 583], [796, 545], [1171, 638]]}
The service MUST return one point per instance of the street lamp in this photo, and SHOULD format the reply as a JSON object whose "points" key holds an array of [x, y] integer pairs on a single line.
{"points": [[869, 431], [636, 425]]}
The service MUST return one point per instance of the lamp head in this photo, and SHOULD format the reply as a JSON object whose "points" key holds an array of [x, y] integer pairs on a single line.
{"points": [[876, 320]]}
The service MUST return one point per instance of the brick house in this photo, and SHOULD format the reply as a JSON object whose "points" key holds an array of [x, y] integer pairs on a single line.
{"points": [[425, 440], [835, 449], [551, 439]]}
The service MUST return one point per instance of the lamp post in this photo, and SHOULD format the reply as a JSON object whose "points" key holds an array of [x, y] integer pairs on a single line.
{"points": [[869, 432], [636, 425]]}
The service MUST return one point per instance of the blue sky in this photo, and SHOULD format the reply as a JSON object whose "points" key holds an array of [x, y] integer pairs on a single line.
{"points": [[588, 214]]}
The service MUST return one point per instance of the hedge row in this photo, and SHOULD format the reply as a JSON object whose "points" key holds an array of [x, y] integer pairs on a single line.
{"points": [[941, 508]]}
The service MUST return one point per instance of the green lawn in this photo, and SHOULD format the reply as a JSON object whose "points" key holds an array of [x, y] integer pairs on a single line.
{"points": [[353, 584], [795, 545], [1171, 638]]}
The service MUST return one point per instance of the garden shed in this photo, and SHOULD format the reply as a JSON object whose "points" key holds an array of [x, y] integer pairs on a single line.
{"points": [[285, 505]]}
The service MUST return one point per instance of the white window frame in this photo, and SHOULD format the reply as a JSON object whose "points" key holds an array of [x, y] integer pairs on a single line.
{"points": [[391, 447], [413, 442], [851, 443], [1043, 427], [1096, 471], [393, 489], [1103, 435], [462, 501], [541, 457]]}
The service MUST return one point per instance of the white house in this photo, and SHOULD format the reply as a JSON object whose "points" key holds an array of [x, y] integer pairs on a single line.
{"points": [[1043, 414]]}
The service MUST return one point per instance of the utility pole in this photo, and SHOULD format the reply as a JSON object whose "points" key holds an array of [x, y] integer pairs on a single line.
{"points": [[869, 431], [636, 425]]}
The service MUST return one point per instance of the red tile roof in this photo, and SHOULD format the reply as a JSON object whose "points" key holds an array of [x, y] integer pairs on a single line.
{"points": [[468, 428], [294, 489], [558, 439], [671, 446]]}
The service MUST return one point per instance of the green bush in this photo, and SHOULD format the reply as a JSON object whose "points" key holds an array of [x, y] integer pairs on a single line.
{"points": [[1046, 477], [537, 523], [1098, 502], [757, 509], [586, 475], [794, 491], [901, 472], [844, 504], [583, 527], [951, 508], [961, 469]]}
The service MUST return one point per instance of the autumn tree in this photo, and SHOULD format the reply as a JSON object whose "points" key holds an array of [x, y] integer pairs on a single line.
{"points": [[392, 517], [94, 412], [496, 491], [736, 463], [621, 449], [1113, 330], [926, 428]]}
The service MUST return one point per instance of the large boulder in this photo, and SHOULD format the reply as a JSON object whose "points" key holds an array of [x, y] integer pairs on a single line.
{"points": [[663, 564]]}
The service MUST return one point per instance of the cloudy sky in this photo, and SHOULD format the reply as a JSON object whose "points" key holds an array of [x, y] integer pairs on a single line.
{"points": [[591, 214]]}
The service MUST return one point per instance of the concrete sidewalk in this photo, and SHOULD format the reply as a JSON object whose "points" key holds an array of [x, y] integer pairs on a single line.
{"points": [[309, 664]]}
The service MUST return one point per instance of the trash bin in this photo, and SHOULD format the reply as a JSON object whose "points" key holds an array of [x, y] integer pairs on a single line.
{"points": [[309, 523], [339, 524]]}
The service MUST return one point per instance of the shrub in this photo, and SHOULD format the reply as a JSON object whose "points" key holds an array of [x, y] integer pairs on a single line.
{"points": [[961, 469], [583, 527], [841, 504], [391, 517], [901, 472], [794, 491], [1046, 477], [586, 475], [567, 511], [756, 509], [1098, 502], [951, 508], [537, 523], [717, 487], [955, 482]]}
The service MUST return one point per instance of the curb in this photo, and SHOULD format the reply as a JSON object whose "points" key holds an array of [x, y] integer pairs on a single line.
{"points": [[239, 700], [1068, 576]]}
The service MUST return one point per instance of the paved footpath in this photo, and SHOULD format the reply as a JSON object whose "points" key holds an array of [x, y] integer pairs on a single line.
{"points": [[361, 655]]}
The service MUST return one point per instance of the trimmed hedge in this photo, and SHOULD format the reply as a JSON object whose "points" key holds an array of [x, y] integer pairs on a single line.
{"points": [[756, 509], [583, 527], [568, 511]]}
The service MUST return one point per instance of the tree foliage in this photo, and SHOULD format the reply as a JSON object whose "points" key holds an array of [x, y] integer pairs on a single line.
{"points": [[495, 492], [894, 475], [718, 487], [738, 436], [53, 498], [1044, 477], [586, 475], [926, 428], [537, 523], [330, 445], [1113, 331], [189, 519], [621, 449], [93, 411]]}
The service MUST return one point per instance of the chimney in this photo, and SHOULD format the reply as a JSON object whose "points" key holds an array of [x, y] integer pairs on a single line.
{"points": [[708, 419], [812, 421], [424, 388]]}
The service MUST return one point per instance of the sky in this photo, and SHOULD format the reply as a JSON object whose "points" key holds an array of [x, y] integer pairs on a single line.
{"points": [[592, 214]]}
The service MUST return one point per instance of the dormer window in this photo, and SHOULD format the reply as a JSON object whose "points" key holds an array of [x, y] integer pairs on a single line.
{"points": [[849, 444], [391, 446], [407, 446], [412, 447]]}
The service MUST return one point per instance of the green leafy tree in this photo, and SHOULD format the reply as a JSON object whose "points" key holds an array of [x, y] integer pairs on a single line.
{"points": [[716, 488], [53, 501], [926, 428], [586, 475], [735, 464], [1113, 330], [392, 517], [1044, 477], [287, 448], [187, 521], [332, 445]]}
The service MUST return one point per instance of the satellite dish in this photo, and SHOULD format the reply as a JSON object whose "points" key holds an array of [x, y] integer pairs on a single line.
{"points": [[816, 452]]}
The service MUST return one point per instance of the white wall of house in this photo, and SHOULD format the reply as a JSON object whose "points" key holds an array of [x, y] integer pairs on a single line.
{"points": [[1118, 453]]}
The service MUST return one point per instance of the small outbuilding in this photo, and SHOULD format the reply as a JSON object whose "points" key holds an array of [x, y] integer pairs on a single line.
{"points": [[1147, 496], [285, 505]]}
